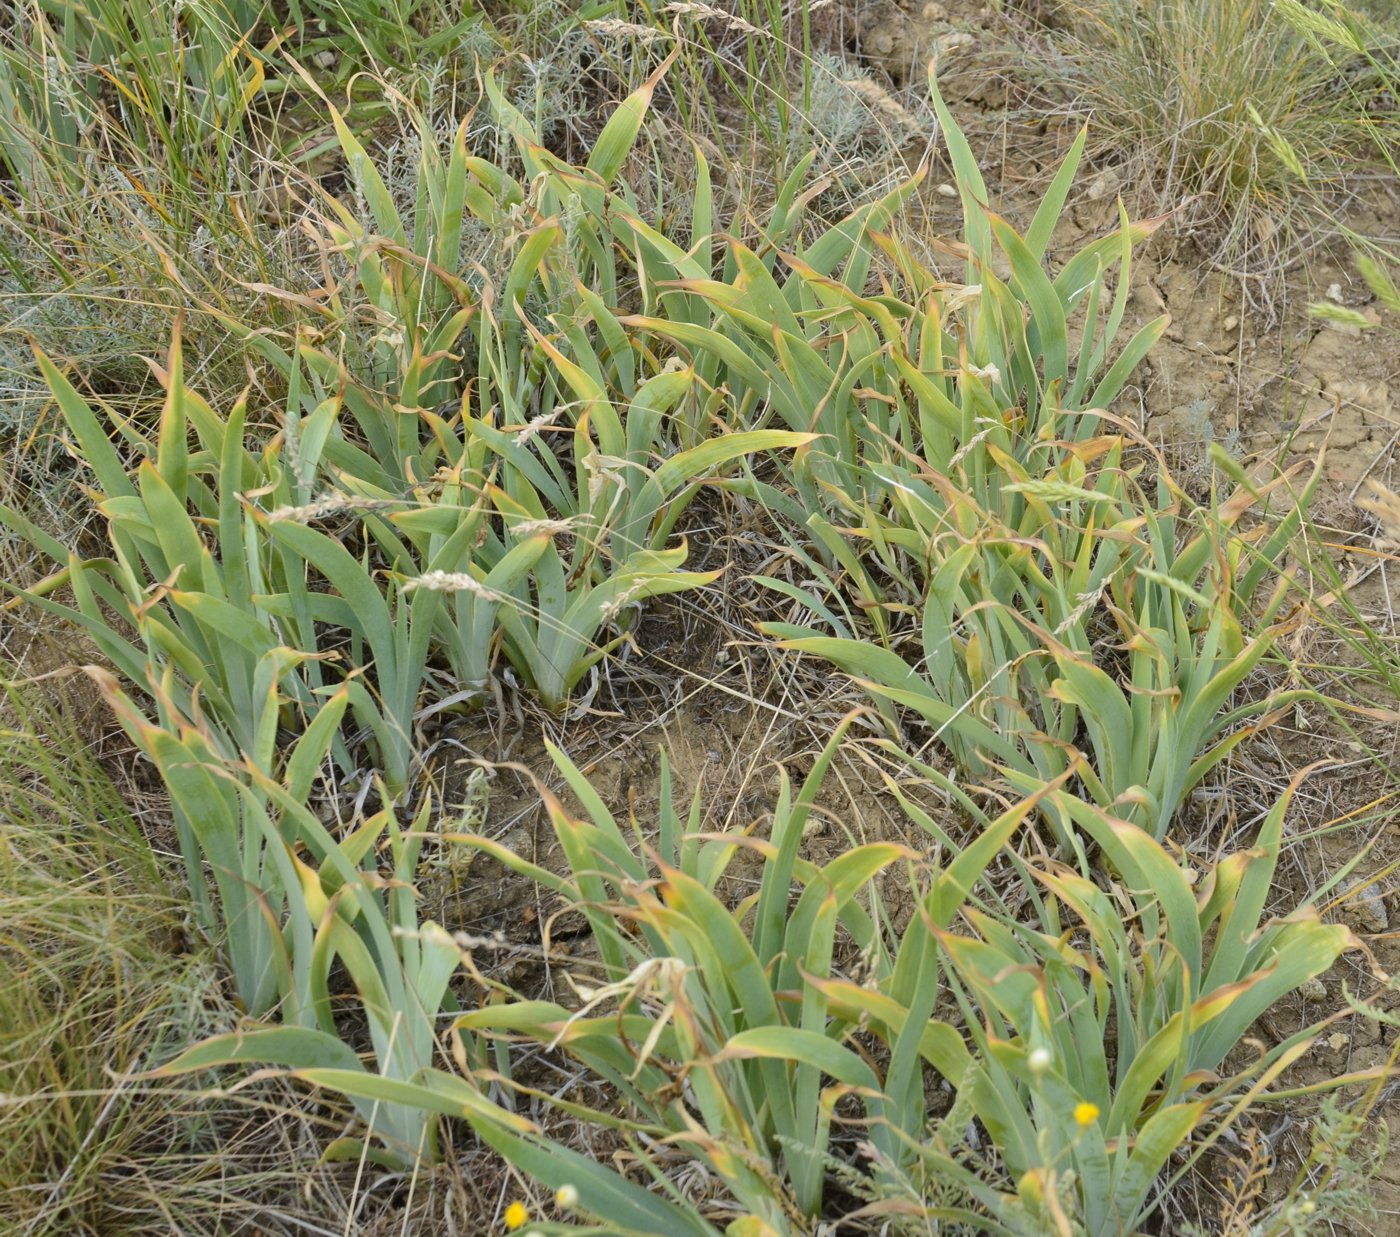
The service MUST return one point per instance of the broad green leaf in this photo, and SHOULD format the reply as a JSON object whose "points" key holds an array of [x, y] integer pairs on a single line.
{"points": [[1052, 205], [620, 133], [289, 1047], [812, 1048], [93, 442]]}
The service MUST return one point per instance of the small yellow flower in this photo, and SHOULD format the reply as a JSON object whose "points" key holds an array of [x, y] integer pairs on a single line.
{"points": [[517, 1216], [566, 1197], [1085, 1114]]}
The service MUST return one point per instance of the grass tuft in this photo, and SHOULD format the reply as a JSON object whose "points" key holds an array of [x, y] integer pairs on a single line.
{"points": [[1221, 110]]}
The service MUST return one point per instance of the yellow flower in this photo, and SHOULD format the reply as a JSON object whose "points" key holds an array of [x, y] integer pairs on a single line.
{"points": [[517, 1216], [1085, 1114], [566, 1197]]}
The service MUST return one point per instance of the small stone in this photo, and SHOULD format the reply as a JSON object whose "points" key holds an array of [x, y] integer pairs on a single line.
{"points": [[954, 40], [1334, 293], [1149, 297], [324, 59], [1314, 990], [1105, 183], [946, 191], [1365, 1032], [1230, 323], [1364, 908]]}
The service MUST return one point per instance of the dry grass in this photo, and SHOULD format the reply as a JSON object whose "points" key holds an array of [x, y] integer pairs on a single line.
{"points": [[1218, 110]]}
